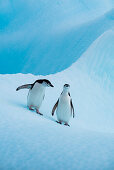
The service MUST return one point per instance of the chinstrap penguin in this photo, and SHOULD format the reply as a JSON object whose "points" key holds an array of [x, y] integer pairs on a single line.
{"points": [[64, 107], [36, 93]]}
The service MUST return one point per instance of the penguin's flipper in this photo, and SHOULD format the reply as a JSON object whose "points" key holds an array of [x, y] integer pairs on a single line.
{"points": [[54, 107], [26, 86], [72, 107]]}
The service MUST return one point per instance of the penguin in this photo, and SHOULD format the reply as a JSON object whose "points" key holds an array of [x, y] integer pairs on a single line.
{"points": [[36, 93], [64, 106]]}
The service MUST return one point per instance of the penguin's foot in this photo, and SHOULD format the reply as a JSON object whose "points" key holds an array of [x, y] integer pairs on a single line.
{"points": [[30, 107], [66, 124], [59, 122], [37, 111]]}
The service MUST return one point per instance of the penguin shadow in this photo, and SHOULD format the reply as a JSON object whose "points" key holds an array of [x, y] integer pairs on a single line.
{"points": [[54, 120], [21, 105], [43, 116], [49, 118], [17, 104]]}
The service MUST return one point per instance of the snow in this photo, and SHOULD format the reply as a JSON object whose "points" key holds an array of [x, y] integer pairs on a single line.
{"points": [[30, 141], [78, 48]]}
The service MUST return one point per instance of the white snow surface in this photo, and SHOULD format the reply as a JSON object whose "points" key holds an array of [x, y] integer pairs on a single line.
{"points": [[29, 141]]}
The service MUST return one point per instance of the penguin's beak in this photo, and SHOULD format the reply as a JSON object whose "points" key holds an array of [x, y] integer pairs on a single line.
{"points": [[51, 85]]}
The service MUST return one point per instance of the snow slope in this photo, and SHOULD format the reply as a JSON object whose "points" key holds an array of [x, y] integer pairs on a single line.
{"points": [[29, 141], [47, 32]]}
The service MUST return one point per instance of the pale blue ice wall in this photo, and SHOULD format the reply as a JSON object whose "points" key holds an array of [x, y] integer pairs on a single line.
{"points": [[46, 36]]}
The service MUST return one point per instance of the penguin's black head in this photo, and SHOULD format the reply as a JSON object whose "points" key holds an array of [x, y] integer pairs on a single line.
{"points": [[66, 85], [44, 82]]}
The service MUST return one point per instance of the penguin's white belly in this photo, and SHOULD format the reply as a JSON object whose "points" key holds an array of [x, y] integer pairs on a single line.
{"points": [[35, 97], [64, 109]]}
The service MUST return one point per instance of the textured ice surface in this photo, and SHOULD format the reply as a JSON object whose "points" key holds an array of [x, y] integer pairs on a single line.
{"points": [[35, 34], [57, 34]]}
